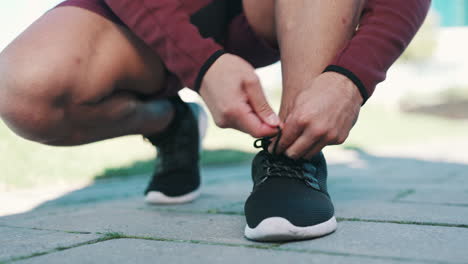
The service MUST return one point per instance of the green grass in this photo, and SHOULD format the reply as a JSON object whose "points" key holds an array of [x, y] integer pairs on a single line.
{"points": [[26, 164], [112, 235]]}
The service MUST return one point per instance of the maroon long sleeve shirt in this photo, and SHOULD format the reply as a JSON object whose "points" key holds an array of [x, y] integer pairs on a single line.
{"points": [[385, 30]]}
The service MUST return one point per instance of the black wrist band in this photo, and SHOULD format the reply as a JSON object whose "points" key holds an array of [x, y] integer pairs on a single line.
{"points": [[352, 77]]}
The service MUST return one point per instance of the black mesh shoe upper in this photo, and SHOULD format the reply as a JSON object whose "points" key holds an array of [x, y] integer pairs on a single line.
{"points": [[295, 190], [177, 169]]}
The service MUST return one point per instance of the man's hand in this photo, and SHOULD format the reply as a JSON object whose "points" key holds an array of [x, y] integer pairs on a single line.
{"points": [[322, 114], [234, 96]]}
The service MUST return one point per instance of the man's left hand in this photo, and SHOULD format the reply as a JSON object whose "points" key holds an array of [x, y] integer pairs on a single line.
{"points": [[322, 114]]}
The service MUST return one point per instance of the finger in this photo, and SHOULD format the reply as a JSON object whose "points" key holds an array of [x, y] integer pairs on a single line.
{"points": [[259, 103], [248, 122], [290, 133], [316, 148], [274, 138], [302, 145]]}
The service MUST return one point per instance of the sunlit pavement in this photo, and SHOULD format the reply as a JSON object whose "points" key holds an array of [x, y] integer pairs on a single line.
{"points": [[395, 206]]}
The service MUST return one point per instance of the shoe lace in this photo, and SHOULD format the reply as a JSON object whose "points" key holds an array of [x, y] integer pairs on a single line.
{"points": [[279, 165]]}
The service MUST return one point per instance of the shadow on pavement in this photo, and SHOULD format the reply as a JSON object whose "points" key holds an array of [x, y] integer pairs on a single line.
{"points": [[368, 178]]}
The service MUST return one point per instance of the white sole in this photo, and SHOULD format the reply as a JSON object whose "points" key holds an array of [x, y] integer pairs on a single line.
{"points": [[155, 197], [280, 229]]}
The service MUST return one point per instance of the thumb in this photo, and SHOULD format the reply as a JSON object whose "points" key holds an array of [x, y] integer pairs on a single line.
{"points": [[258, 102]]}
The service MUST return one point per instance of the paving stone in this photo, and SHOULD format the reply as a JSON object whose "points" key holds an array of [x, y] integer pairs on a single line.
{"points": [[106, 190], [50, 211], [365, 190], [221, 187], [403, 171], [133, 187], [145, 251], [214, 197], [175, 225], [439, 196], [440, 214], [425, 243], [459, 178], [387, 211], [16, 242], [362, 192], [221, 174]]}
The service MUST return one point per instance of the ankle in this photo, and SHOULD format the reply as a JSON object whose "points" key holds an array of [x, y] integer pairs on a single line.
{"points": [[164, 113]]}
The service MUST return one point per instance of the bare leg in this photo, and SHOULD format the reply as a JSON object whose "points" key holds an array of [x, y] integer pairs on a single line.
{"points": [[309, 34], [74, 77]]}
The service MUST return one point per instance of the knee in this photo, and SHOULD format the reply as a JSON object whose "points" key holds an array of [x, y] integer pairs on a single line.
{"points": [[30, 101]]}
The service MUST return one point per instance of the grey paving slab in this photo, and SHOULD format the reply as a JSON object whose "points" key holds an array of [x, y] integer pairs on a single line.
{"points": [[401, 171], [214, 197], [144, 251], [388, 211], [363, 192], [102, 191], [352, 200], [221, 174], [396, 171], [175, 225], [128, 193], [459, 178], [424, 243], [16, 242], [453, 196], [440, 214], [133, 187]]}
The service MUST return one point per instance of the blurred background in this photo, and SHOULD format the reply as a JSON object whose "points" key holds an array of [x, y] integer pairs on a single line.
{"points": [[421, 109]]}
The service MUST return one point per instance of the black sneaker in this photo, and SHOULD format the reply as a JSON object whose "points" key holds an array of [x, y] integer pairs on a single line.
{"points": [[177, 176], [289, 200]]}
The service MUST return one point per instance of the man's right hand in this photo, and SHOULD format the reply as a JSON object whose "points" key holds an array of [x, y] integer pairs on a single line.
{"points": [[233, 93]]}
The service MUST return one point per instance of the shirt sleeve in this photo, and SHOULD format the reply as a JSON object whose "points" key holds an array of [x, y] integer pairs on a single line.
{"points": [[385, 30], [166, 28]]}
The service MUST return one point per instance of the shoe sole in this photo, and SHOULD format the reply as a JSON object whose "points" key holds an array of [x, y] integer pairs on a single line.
{"points": [[154, 197], [160, 198], [280, 229]]}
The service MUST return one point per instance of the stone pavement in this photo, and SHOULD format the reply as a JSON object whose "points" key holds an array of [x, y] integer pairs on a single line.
{"points": [[390, 210]]}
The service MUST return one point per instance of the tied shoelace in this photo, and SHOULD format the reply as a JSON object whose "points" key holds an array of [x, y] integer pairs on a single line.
{"points": [[279, 165]]}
